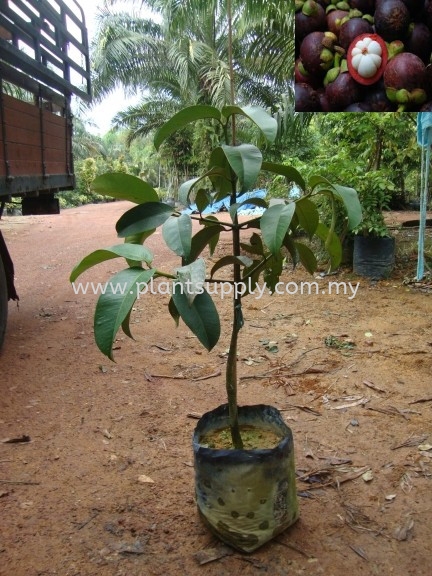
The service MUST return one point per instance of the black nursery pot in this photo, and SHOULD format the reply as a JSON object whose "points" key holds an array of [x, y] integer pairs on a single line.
{"points": [[246, 497], [373, 257]]}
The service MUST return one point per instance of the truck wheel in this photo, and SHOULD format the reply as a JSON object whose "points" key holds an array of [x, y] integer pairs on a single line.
{"points": [[3, 302]]}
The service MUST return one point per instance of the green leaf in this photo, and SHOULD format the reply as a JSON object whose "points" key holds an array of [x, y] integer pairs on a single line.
{"points": [[266, 123], [173, 311], [139, 238], [306, 256], [273, 270], [126, 325], [252, 273], [290, 245], [307, 214], [245, 160], [254, 201], [202, 199], [352, 204], [289, 172], [229, 261], [192, 277], [255, 245], [124, 187], [182, 119], [177, 233], [115, 304], [135, 252], [203, 238], [254, 223], [201, 317], [143, 218], [220, 173], [332, 244], [274, 225], [186, 188], [343, 193]]}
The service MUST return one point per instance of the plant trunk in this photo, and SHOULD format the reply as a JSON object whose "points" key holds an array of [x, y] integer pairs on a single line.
{"points": [[231, 376], [231, 369]]}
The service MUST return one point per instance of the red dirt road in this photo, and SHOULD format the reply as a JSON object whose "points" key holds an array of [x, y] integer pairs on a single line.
{"points": [[105, 485]]}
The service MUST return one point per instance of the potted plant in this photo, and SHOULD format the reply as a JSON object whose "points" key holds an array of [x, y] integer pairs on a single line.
{"points": [[374, 247], [245, 495]]}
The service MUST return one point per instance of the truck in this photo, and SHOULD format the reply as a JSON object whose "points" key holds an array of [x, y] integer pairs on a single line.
{"points": [[44, 65]]}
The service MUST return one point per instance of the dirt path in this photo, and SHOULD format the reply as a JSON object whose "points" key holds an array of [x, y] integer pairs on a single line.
{"points": [[71, 499]]}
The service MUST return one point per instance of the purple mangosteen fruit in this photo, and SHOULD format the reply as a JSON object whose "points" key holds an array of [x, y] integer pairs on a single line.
{"points": [[351, 29], [342, 92], [377, 99], [419, 41], [316, 52], [414, 6], [334, 20], [310, 18], [365, 6], [429, 80], [306, 99], [428, 13], [323, 100], [405, 80], [302, 76], [391, 20]]}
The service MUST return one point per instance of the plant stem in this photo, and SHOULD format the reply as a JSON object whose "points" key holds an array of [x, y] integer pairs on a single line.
{"points": [[231, 369], [231, 377], [231, 68]]}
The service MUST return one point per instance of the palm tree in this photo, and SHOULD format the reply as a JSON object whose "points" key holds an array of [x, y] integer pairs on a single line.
{"points": [[184, 59]]}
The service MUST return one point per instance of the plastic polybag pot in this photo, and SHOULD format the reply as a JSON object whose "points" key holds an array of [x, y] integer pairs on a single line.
{"points": [[373, 257], [246, 497]]}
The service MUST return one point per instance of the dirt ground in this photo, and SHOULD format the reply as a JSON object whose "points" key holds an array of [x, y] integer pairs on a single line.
{"points": [[105, 483]]}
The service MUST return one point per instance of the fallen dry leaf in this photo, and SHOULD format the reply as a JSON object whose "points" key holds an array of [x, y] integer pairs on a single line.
{"points": [[359, 551], [404, 531], [367, 476], [411, 441], [18, 440], [360, 402], [373, 386], [425, 447], [212, 554], [145, 479]]}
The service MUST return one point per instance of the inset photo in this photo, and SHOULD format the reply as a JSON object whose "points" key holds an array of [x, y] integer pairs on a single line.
{"points": [[363, 56]]}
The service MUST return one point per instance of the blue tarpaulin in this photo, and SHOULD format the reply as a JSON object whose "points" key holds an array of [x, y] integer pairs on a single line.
{"points": [[224, 205], [424, 139]]}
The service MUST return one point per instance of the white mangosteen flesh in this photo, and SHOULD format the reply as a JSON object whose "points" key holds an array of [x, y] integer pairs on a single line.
{"points": [[366, 57]]}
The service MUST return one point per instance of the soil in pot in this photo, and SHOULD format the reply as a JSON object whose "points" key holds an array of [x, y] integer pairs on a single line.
{"points": [[253, 438], [246, 497]]}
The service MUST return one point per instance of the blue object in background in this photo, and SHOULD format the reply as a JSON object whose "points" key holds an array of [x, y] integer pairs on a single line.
{"points": [[424, 139], [224, 205]]}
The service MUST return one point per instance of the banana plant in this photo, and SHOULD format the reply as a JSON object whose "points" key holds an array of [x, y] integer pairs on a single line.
{"points": [[233, 169]]}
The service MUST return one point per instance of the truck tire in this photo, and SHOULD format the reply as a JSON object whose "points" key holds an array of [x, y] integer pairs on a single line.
{"points": [[3, 302]]}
